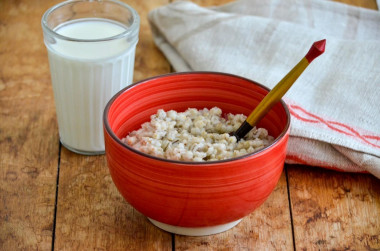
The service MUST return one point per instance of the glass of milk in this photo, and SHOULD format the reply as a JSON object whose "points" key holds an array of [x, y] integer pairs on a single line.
{"points": [[91, 48]]}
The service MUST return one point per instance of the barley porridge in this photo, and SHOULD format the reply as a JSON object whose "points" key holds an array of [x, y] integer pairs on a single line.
{"points": [[196, 135]]}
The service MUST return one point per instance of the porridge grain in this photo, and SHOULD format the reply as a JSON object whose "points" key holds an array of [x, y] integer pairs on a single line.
{"points": [[196, 135]]}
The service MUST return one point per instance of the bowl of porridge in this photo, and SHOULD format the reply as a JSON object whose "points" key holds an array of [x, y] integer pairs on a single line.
{"points": [[171, 155]]}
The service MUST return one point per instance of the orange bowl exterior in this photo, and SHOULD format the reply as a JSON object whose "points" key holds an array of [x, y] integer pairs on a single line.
{"points": [[193, 194]]}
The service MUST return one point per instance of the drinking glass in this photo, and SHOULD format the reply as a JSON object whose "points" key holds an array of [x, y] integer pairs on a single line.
{"points": [[91, 50]]}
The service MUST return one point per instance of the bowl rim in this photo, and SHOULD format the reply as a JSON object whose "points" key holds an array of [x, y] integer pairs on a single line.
{"points": [[113, 135]]}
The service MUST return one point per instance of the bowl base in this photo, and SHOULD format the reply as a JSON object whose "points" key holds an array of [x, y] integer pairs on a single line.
{"points": [[195, 231]]}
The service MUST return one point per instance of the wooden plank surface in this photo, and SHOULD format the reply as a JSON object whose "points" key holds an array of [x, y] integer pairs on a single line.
{"points": [[28, 131], [333, 210], [91, 214], [326, 210]]}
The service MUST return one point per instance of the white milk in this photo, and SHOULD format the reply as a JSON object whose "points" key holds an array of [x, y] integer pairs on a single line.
{"points": [[85, 75]]}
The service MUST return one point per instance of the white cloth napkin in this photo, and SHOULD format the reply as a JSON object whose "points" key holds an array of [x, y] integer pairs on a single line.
{"points": [[335, 104]]}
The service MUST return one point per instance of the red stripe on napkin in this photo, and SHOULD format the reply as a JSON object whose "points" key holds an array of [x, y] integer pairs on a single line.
{"points": [[345, 129]]}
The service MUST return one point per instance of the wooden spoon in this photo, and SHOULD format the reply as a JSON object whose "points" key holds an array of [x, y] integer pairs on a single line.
{"points": [[279, 90]]}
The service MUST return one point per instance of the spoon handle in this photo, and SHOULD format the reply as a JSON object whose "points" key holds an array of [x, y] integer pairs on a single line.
{"points": [[280, 89]]}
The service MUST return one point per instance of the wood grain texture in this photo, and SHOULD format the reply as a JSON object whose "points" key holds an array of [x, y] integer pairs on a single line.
{"points": [[149, 59], [28, 131], [333, 210], [210, 3], [91, 214]]}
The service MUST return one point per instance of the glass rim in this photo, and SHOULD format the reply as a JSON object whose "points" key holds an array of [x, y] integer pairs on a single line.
{"points": [[134, 26]]}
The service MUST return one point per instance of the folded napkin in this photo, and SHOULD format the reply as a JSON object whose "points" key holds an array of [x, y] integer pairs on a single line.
{"points": [[335, 104]]}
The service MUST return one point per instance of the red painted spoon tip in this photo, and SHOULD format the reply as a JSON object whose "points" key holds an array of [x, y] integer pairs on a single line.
{"points": [[316, 49]]}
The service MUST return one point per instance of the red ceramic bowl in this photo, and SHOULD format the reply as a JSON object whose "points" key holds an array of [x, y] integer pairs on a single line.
{"points": [[193, 195]]}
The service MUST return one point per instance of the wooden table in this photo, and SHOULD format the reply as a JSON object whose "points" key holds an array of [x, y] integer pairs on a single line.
{"points": [[53, 199]]}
